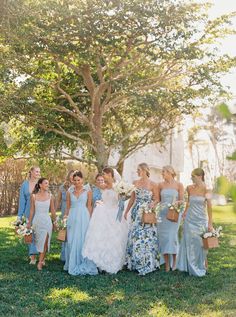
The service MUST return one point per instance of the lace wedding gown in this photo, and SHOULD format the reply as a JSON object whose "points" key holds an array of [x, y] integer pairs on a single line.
{"points": [[106, 238]]}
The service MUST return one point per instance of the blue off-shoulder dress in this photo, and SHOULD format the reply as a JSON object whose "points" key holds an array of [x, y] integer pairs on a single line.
{"points": [[168, 230], [192, 255], [97, 194], [77, 225], [142, 247], [24, 210]]}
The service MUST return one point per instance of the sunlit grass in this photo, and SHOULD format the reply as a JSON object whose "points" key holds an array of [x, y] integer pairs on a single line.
{"points": [[26, 292]]}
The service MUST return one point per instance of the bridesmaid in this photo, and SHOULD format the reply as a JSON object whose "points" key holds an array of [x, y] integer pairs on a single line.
{"points": [[142, 247], [78, 211], [61, 202], [24, 204], [169, 191], [41, 202], [96, 189], [192, 257]]}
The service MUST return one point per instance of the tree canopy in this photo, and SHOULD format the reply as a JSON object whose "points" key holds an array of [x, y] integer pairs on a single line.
{"points": [[106, 76]]}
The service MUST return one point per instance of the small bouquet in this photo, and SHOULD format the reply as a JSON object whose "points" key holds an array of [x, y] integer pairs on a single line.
{"points": [[210, 239], [18, 222], [124, 191], [174, 210], [61, 224], [26, 233], [149, 214]]}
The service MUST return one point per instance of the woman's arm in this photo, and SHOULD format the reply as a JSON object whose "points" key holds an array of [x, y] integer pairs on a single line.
{"points": [[89, 202], [130, 204], [32, 210], [187, 203], [209, 210], [52, 209], [67, 204], [58, 200], [181, 192], [156, 194], [22, 201]]}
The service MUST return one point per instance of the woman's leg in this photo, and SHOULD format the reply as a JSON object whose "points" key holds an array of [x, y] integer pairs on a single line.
{"points": [[167, 265], [174, 262], [42, 255]]}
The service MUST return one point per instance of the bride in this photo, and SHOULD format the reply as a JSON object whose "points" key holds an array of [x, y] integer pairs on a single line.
{"points": [[106, 238]]}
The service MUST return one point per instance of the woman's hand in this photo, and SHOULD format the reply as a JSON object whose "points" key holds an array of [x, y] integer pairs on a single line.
{"points": [[210, 227], [184, 215], [28, 226], [125, 215]]}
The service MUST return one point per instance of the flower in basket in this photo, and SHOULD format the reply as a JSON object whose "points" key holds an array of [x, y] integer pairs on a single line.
{"points": [[214, 233], [177, 206], [61, 223], [24, 231]]}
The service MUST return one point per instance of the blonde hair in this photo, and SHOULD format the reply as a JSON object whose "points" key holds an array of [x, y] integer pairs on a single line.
{"points": [[67, 184], [169, 169], [31, 170], [145, 167]]}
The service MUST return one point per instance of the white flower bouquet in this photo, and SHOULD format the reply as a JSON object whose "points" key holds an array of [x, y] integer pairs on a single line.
{"points": [[148, 213], [26, 233], [19, 222], [210, 239], [173, 210], [124, 189], [61, 224]]}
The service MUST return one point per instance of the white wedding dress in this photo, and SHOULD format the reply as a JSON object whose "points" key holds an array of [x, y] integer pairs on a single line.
{"points": [[106, 238]]}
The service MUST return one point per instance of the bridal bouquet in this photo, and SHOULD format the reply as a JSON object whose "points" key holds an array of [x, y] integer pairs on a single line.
{"points": [[210, 239], [124, 191]]}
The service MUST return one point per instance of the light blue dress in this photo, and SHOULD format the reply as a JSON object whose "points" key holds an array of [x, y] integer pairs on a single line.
{"points": [[192, 255], [24, 210], [142, 247], [77, 225], [168, 230]]}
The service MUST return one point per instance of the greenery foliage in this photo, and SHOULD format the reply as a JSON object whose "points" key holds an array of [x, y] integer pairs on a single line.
{"points": [[105, 76]]}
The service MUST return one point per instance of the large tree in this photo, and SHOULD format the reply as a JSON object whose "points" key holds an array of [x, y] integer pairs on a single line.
{"points": [[107, 76]]}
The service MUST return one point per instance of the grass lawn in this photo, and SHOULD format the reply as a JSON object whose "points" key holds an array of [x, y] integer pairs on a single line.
{"points": [[26, 292]]}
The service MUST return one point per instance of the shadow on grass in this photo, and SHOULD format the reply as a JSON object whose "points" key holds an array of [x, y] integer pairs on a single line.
{"points": [[52, 292]]}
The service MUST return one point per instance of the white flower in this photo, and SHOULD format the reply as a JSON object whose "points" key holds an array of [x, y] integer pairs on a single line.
{"points": [[207, 235]]}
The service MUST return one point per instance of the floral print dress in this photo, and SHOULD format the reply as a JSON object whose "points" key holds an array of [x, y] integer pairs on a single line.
{"points": [[142, 248]]}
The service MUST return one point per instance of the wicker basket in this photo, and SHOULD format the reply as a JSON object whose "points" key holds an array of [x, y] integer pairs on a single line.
{"points": [[28, 238], [210, 243], [172, 215], [149, 218], [61, 236]]}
